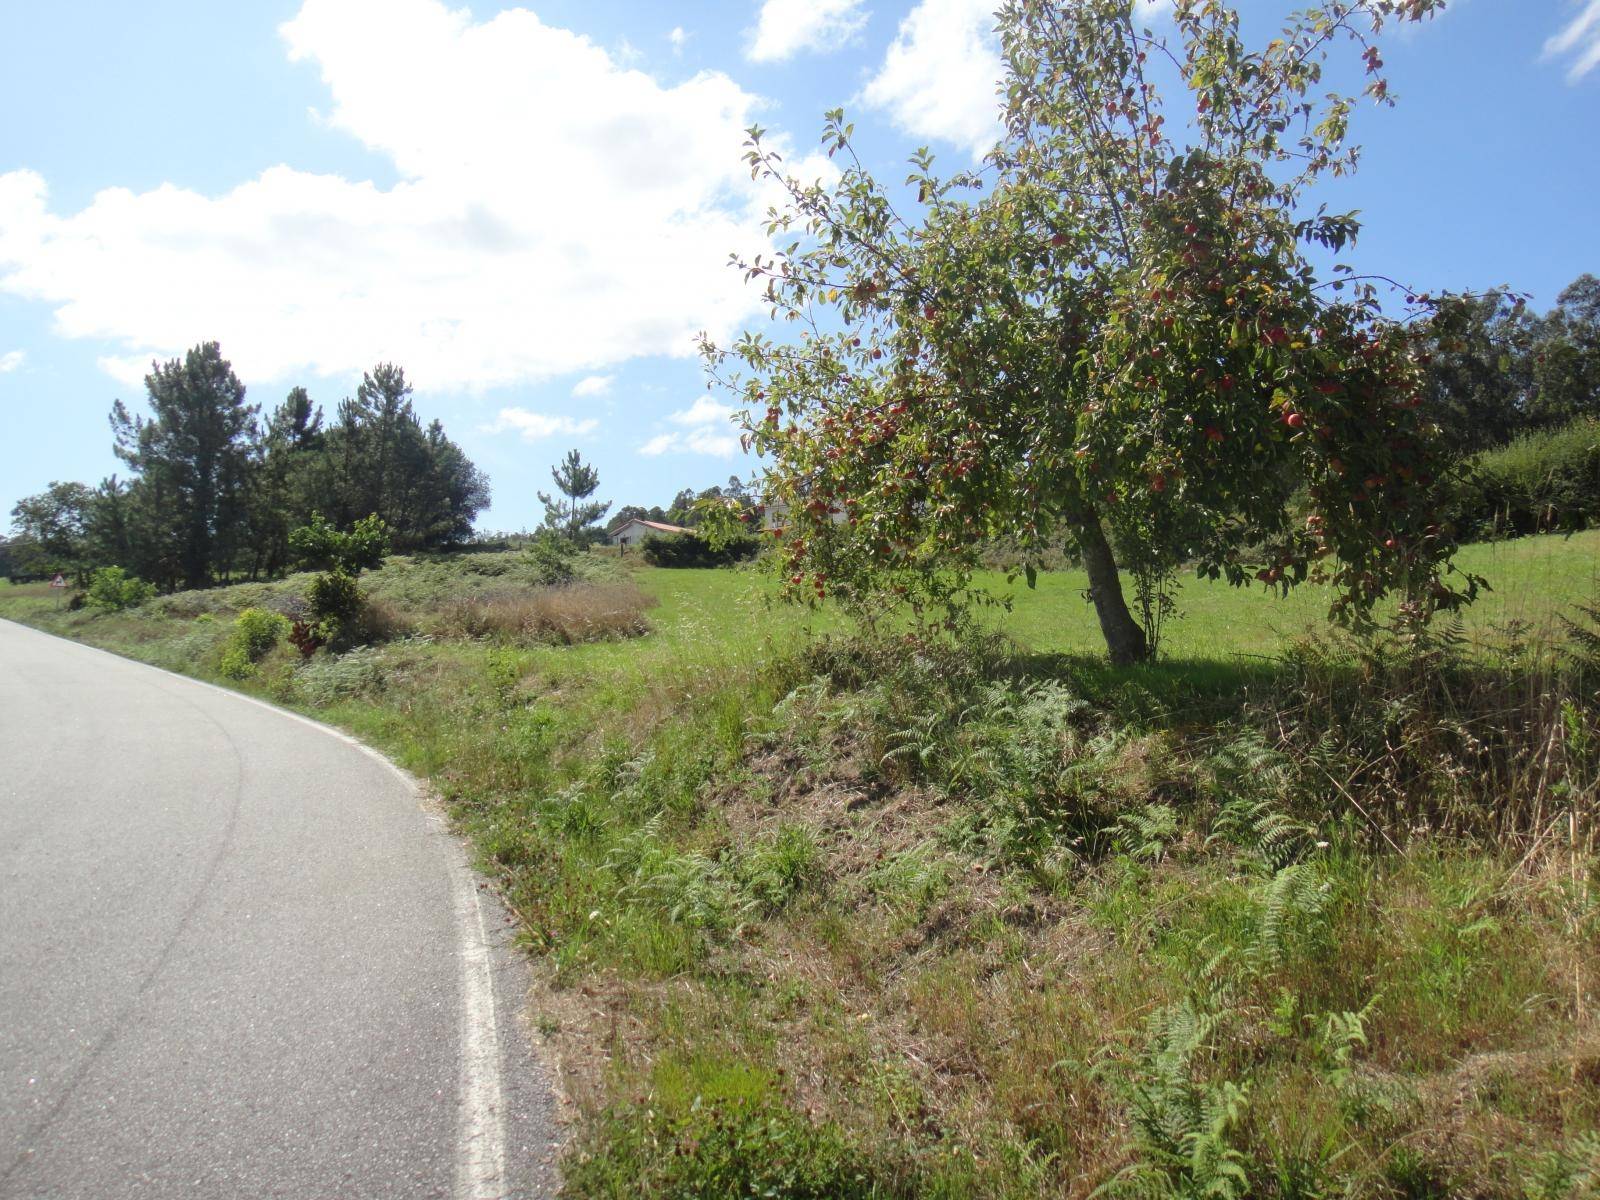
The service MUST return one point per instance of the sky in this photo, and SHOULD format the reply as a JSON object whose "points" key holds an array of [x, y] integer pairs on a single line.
{"points": [[530, 207]]}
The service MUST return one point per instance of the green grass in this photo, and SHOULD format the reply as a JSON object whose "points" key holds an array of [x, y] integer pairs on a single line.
{"points": [[817, 916], [1531, 581]]}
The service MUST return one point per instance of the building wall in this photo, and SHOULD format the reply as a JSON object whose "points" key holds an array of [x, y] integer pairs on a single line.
{"points": [[634, 533]]}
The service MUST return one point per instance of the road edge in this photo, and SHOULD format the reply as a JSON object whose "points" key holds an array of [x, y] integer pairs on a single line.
{"points": [[480, 1153]]}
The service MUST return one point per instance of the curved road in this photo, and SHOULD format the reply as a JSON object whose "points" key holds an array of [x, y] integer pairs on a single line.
{"points": [[238, 957]]}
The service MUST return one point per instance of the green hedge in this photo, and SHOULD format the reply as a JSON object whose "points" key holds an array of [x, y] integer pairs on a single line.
{"points": [[689, 550], [1541, 483]]}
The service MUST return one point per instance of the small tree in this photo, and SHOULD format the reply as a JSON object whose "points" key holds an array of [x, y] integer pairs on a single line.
{"points": [[1115, 333], [337, 604], [322, 546], [571, 513]]}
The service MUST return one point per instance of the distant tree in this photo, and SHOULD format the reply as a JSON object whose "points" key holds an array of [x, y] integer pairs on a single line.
{"points": [[1478, 369], [51, 531], [111, 531], [291, 439], [1566, 368], [631, 512], [570, 512], [378, 458], [15, 555], [193, 459]]}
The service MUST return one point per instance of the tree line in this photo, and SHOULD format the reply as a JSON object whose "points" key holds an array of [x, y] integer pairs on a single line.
{"points": [[1494, 370], [216, 486], [683, 509]]}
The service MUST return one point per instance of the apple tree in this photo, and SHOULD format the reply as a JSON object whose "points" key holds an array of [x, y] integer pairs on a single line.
{"points": [[1112, 333]]}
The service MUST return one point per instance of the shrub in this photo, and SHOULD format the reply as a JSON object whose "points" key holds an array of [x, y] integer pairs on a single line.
{"points": [[551, 559], [323, 546], [578, 612], [1542, 482], [255, 632], [336, 602], [691, 550], [113, 589]]}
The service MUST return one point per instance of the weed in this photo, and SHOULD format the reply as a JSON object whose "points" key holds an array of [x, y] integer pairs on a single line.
{"points": [[255, 632], [557, 615], [725, 1148]]}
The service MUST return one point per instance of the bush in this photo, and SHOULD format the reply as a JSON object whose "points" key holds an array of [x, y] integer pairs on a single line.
{"points": [[113, 589], [255, 632], [1540, 483], [337, 603], [691, 550], [321, 546], [551, 559]]}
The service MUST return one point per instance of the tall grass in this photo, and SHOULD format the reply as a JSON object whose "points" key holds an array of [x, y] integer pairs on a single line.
{"points": [[562, 615]]}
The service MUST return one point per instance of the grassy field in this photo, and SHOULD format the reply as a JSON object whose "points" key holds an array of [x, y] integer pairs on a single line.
{"points": [[820, 915]]}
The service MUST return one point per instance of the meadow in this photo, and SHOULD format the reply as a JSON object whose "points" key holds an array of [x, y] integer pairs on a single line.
{"points": [[817, 913]]}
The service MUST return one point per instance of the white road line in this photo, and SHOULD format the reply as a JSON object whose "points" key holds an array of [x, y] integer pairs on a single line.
{"points": [[480, 1127], [480, 1141]]}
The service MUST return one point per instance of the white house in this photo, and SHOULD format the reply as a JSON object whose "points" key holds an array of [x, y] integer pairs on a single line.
{"points": [[632, 532], [775, 515]]}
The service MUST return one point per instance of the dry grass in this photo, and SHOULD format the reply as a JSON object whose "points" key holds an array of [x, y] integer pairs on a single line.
{"points": [[565, 615]]}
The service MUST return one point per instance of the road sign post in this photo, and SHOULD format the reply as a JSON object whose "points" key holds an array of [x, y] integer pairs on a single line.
{"points": [[59, 584]]}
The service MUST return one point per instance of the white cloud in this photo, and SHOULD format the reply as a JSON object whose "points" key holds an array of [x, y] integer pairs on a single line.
{"points": [[940, 78], [704, 411], [556, 212], [784, 28], [11, 360], [1581, 38], [593, 385], [706, 429], [127, 369], [535, 426], [678, 37]]}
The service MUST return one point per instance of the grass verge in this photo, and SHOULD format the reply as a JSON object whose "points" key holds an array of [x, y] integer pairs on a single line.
{"points": [[825, 917]]}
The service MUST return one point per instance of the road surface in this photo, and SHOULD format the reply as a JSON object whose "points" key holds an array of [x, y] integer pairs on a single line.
{"points": [[239, 957]]}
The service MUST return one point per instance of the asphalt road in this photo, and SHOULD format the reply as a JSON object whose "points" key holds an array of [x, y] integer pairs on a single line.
{"points": [[239, 957]]}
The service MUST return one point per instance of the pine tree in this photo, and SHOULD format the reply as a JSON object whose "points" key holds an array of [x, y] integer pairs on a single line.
{"points": [[572, 514], [195, 456]]}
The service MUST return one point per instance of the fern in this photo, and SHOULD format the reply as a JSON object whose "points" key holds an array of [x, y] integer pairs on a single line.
{"points": [[1570, 1173], [1249, 779], [1146, 834], [1583, 635], [1338, 1039], [690, 889], [1294, 895], [1184, 1127], [1276, 838]]}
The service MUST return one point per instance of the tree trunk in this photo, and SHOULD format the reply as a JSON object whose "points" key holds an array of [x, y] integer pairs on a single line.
{"points": [[1125, 639]]}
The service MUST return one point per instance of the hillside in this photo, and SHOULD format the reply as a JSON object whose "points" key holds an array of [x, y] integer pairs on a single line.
{"points": [[826, 915]]}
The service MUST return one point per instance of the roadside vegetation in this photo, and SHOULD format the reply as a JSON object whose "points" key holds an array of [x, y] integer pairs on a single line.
{"points": [[829, 913], [1090, 875]]}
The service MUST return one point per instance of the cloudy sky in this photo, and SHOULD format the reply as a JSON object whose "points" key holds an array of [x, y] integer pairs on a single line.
{"points": [[531, 207]]}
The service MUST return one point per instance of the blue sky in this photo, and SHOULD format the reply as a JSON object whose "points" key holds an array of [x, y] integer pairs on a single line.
{"points": [[530, 207]]}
